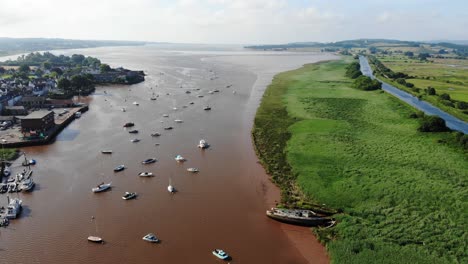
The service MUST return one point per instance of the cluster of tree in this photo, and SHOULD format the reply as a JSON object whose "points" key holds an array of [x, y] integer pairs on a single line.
{"points": [[432, 124], [353, 70], [367, 84], [404, 82], [48, 60], [381, 69], [76, 85], [445, 99]]}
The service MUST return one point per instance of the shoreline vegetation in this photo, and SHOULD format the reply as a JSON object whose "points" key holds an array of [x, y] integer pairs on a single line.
{"points": [[398, 194]]}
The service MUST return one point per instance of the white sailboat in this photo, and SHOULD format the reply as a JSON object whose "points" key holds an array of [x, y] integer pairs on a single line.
{"points": [[170, 187]]}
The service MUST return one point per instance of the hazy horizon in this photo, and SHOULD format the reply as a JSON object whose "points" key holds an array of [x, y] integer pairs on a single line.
{"points": [[235, 21]]}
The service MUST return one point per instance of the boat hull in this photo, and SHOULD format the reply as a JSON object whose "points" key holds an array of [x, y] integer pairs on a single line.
{"points": [[312, 221]]}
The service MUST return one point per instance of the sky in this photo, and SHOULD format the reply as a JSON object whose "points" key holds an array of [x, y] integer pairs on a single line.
{"points": [[235, 21]]}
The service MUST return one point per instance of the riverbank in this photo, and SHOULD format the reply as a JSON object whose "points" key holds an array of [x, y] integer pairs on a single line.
{"points": [[359, 152]]}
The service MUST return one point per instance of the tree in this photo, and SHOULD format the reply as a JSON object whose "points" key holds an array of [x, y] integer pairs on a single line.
{"points": [[105, 68], [24, 68], [445, 96], [410, 54], [64, 84], [353, 70], [77, 58], [47, 65], [57, 70], [367, 84], [462, 105], [431, 91], [432, 124], [2, 70], [423, 56]]}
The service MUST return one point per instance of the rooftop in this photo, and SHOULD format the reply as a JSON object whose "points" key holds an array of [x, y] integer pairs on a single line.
{"points": [[37, 114]]}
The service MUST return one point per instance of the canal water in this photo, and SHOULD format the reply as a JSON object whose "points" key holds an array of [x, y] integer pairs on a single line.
{"points": [[451, 121], [222, 206]]}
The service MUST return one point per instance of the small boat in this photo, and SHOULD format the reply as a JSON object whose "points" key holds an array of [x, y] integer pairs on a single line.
{"points": [[148, 161], [123, 109], [134, 131], [129, 124], [174, 108], [102, 187], [171, 189], [153, 98], [210, 92], [192, 103], [220, 254], [108, 151], [179, 158], [27, 185], [29, 162], [216, 90], [207, 108], [187, 92], [202, 144], [135, 140], [151, 238], [200, 96], [156, 134], [168, 128], [14, 208], [7, 171], [119, 168], [145, 174], [129, 195], [178, 121], [297, 217], [77, 114], [165, 115], [136, 103], [194, 170], [95, 239]]}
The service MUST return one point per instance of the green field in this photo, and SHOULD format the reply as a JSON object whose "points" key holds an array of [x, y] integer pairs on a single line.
{"points": [[445, 75], [403, 193]]}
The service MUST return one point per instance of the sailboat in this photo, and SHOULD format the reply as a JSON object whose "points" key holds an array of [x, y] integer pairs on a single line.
{"points": [[95, 239], [171, 188]]}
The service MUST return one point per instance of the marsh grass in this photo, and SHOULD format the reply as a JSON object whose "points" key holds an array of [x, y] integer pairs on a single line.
{"points": [[402, 193]]}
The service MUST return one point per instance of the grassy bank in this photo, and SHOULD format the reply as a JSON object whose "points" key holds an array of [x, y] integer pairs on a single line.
{"points": [[8, 154], [403, 194]]}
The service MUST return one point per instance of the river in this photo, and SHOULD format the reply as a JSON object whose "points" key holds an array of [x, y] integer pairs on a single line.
{"points": [[451, 121], [222, 206]]}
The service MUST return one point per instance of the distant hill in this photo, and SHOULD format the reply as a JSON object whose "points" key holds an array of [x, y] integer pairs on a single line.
{"points": [[357, 43], [22, 45]]}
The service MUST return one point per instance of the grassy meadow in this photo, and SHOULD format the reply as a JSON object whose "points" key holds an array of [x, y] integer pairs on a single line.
{"points": [[402, 193]]}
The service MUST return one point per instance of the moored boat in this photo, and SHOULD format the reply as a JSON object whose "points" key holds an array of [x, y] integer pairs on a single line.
{"points": [[151, 238], [297, 217], [135, 140], [179, 158], [194, 170], [128, 124], [156, 134], [27, 185], [101, 187], [220, 254], [134, 131], [119, 168], [178, 121], [106, 151], [203, 144], [145, 174], [14, 208], [168, 128], [148, 161], [207, 108], [95, 239], [129, 195]]}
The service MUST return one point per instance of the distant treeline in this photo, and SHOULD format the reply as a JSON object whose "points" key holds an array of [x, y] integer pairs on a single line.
{"points": [[461, 50], [20, 45], [48, 60]]}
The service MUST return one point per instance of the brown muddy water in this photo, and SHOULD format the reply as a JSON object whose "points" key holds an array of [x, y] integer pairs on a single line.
{"points": [[222, 206]]}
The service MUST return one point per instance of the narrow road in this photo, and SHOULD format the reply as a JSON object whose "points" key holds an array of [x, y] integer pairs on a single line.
{"points": [[451, 121]]}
